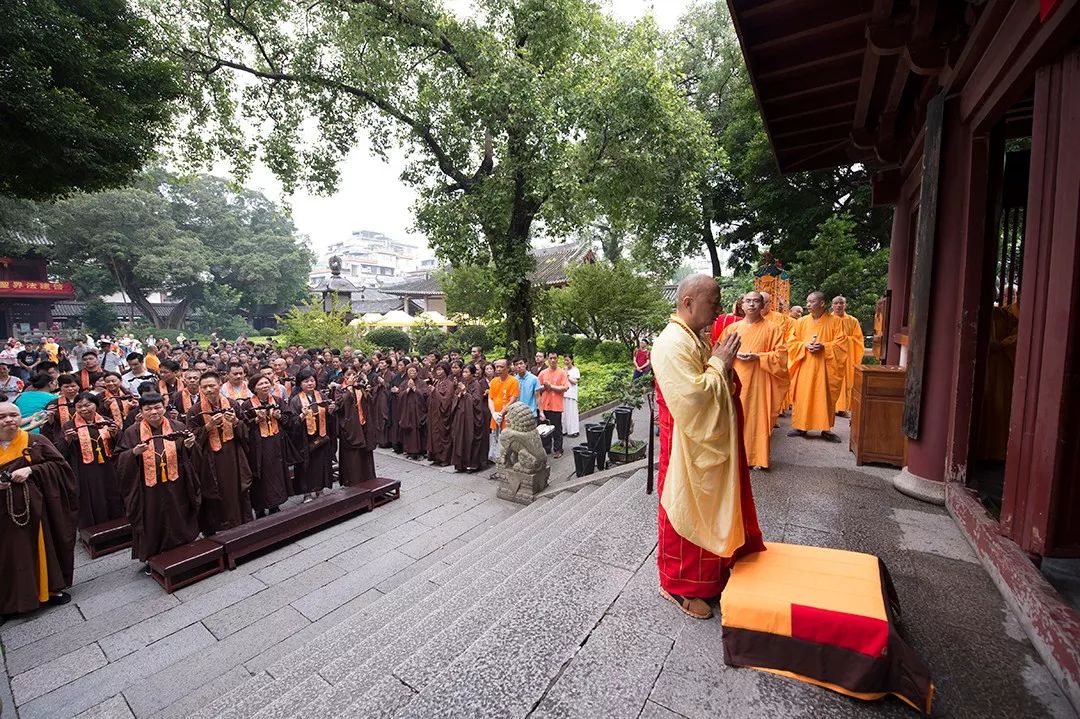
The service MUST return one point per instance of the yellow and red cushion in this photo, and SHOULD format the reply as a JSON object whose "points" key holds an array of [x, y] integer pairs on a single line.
{"points": [[824, 616]]}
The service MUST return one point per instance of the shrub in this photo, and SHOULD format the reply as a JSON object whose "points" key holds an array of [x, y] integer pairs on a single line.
{"points": [[584, 347], [599, 383], [268, 332], [427, 338], [99, 318], [564, 343], [468, 336], [312, 326], [388, 338], [612, 352]]}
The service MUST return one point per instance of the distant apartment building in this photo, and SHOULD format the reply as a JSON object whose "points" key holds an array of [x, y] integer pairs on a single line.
{"points": [[369, 259]]}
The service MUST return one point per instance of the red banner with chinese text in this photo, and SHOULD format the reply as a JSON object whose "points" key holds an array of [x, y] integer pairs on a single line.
{"points": [[36, 288]]}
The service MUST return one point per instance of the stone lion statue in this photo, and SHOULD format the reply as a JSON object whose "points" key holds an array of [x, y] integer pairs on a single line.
{"points": [[520, 447], [335, 265]]}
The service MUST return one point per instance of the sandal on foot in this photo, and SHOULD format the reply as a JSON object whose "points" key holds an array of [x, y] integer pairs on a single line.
{"points": [[690, 606]]}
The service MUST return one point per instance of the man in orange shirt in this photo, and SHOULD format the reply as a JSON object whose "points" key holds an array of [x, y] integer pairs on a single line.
{"points": [[554, 383], [502, 392]]}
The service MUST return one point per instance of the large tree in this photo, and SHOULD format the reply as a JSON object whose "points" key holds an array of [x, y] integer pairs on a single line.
{"points": [[83, 101], [743, 193], [531, 116], [610, 302], [198, 239]]}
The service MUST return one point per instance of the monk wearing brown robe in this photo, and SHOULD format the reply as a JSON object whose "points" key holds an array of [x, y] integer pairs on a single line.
{"points": [[225, 472], [155, 464], [39, 503], [412, 417], [817, 352], [60, 410], [88, 444], [469, 423], [188, 395], [379, 390], [356, 433], [439, 404], [269, 449], [315, 437], [761, 365], [855, 350], [116, 402]]}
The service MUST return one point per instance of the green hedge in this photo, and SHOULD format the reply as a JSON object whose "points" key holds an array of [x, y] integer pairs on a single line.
{"points": [[388, 338], [612, 352], [593, 389], [584, 347]]}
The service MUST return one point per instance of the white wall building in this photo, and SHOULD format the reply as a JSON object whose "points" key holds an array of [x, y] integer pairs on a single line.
{"points": [[369, 259]]}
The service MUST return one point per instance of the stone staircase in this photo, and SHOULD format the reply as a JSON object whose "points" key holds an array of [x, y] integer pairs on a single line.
{"points": [[486, 632]]}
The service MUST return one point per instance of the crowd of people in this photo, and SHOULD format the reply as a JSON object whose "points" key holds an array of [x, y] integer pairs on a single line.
{"points": [[183, 439]]}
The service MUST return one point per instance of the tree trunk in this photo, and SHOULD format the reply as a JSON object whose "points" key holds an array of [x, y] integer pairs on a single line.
{"points": [[176, 317], [140, 301], [707, 233]]}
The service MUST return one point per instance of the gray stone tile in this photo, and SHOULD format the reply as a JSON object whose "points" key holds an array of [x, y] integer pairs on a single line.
{"points": [[512, 664], [127, 592], [360, 556], [326, 599], [99, 685], [112, 708], [95, 568], [382, 701], [173, 620], [449, 510], [167, 687], [43, 623], [248, 611], [251, 566], [611, 675], [60, 671], [197, 698], [312, 555], [92, 630], [303, 695], [243, 701], [653, 710], [640, 604], [309, 633], [627, 537], [452, 528], [431, 562]]}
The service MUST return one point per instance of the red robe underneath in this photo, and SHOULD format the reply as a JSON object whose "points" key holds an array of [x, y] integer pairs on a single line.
{"points": [[685, 568]]}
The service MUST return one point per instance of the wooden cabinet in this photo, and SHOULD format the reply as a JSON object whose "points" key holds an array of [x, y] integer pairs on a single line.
{"points": [[877, 412]]}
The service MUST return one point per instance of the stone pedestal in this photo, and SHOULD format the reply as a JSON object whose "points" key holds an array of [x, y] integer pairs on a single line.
{"points": [[521, 487]]}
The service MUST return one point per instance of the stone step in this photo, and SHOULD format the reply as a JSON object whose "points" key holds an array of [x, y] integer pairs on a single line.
{"points": [[516, 659], [279, 678], [369, 658], [466, 619]]}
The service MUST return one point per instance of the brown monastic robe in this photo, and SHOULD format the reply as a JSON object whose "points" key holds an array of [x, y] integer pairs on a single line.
{"points": [[99, 492], [166, 514], [412, 416], [225, 472], [439, 405], [40, 536], [379, 390], [269, 453], [53, 428], [314, 472], [356, 458]]}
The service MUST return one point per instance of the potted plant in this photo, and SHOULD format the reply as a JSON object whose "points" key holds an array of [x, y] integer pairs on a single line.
{"points": [[631, 394]]}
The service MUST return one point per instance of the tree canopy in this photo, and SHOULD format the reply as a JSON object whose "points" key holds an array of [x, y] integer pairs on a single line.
{"points": [[197, 239], [530, 117], [83, 102], [610, 302]]}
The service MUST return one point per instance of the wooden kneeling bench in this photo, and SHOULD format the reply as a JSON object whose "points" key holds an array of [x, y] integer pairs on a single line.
{"points": [[382, 490], [106, 538], [287, 524], [187, 564]]}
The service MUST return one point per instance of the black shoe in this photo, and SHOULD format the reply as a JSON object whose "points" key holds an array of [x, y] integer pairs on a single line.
{"points": [[796, 433], [830, 437], [58, 600]]}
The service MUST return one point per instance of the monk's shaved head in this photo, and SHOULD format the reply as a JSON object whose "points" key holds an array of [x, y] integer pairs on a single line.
{"points": [[10, 418], [763, 296], [766, 298], [697, 301], [819, 296], [692, 285], [9, 407]]}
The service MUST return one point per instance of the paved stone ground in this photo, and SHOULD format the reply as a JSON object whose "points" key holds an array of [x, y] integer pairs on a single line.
{"points": [[572, 628], [125, 642]]}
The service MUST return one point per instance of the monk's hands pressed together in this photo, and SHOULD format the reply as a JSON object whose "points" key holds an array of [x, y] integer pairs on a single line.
{"points": [[814, 347], [727, 349], [747, 356]]}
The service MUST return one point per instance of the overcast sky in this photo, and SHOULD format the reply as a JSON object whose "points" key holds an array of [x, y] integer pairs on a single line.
{"points": [[371, 197]]}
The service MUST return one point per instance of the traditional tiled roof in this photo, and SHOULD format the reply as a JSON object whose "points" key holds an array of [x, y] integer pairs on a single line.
{"points": [[70, 310], [550, 270]]}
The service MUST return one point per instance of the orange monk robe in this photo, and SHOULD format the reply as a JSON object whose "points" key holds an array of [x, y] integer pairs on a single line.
{"points": [[816, 379], [879, 332], [856, 347], [764, 384], [784, 321]]}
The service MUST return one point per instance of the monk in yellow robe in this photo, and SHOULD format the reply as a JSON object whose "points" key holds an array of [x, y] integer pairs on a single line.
{"points": [[707, 518], [817, 352], [784, 321], [856, 348], [761, 365]]}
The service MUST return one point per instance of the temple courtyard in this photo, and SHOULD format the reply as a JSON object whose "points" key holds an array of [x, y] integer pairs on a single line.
{"points": [[450, 602]]}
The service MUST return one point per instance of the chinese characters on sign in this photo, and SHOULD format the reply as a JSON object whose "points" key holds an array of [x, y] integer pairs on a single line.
{"points": [[41, 288]]}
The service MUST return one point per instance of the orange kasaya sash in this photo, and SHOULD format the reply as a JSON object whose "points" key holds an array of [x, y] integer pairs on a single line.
{"points": [[358, 394], [163, 390], [268, 426], [165, 469], [86, 441], [311, 418], [217, 436], [187, 400], [84, 381], [116, 405], [63, 411], [237, 394]]}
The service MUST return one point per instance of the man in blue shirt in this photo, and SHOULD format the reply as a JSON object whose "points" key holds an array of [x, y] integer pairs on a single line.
{"points": [[528, 386]]}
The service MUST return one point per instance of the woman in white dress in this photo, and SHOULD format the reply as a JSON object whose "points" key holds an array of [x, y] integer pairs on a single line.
{"points": [[570, 408]]}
